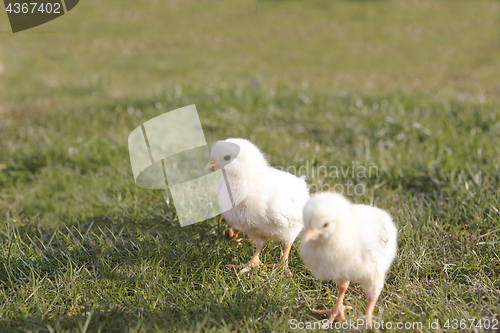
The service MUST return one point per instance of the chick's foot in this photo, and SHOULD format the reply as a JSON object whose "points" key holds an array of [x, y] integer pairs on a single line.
{"points": [[248, 266], [337, 312]]}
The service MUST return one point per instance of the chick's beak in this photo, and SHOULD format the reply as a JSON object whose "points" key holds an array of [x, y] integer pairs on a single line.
{"points": [[211, 164], [309, 233]]}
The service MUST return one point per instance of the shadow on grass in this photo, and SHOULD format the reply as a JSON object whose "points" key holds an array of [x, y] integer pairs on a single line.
{"points": [[125, 272], [85, 243], [111, 272], [110, 321]]}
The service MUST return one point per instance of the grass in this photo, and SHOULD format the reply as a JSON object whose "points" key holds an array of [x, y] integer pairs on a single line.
{"points": [[406, 87]]}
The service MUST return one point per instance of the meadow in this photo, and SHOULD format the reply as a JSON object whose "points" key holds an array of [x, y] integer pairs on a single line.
{"points": [[409, 88]]}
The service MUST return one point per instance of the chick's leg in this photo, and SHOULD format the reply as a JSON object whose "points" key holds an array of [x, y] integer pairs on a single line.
{"points": [[284, 259], [338, 309], [372, 299], [254, 261]]}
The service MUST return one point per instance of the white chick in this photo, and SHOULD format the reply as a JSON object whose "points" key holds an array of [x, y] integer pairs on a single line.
{"points": [[272, 208], [346, 242]]}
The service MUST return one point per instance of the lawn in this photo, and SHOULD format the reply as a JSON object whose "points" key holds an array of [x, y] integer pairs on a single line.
{"points": [[406, 89]]}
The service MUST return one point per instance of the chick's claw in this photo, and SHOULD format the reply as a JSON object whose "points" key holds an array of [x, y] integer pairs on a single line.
{"points": [[244, 270], [273, 265], [252, 263], [323, 312], [248, 266], [335, 312], [239, 241]]}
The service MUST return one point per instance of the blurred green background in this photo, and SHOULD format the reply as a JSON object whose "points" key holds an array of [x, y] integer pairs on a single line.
{"points": [[408, 86], [129, 47]]}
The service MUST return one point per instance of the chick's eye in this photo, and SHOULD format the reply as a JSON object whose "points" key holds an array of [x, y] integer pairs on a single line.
{"points": [[227, 157], [325, 225]]}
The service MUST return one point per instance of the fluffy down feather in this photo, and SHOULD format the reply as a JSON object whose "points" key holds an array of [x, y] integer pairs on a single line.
{"points": [[272, 208], [344, 242]]}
